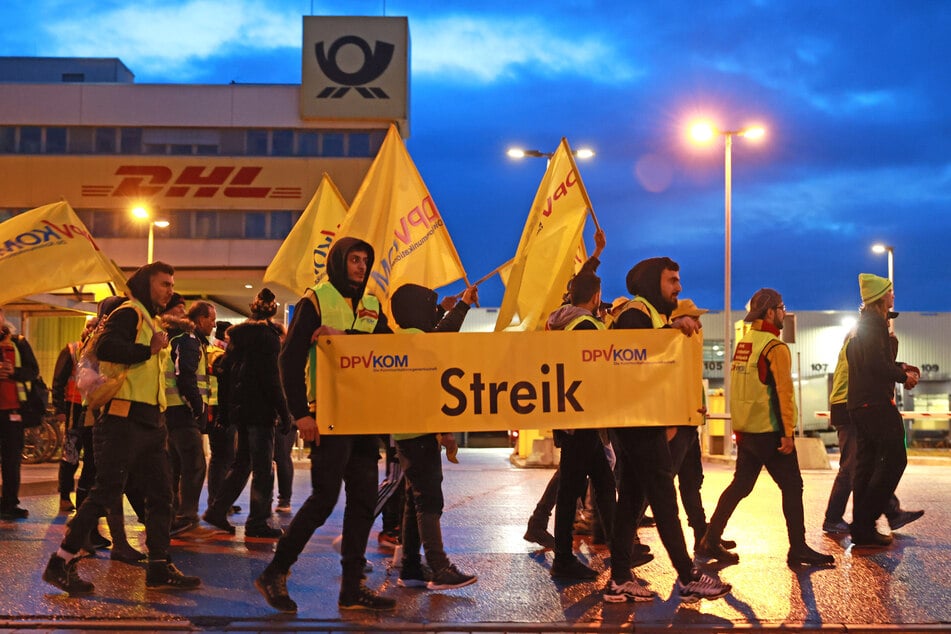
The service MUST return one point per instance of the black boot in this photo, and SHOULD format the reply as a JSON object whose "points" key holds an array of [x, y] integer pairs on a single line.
{"points": [[163, 575]]}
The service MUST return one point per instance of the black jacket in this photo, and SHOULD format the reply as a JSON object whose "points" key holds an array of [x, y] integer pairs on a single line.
{"points": [[249, 385], [873, 371]]}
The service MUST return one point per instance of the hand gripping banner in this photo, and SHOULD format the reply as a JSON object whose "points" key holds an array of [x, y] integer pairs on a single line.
{"points": [[441, 382]]}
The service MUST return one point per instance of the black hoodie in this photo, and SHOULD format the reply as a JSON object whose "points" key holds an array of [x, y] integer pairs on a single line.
{"points": [[306, 320], [644, 280], [414, 306]]}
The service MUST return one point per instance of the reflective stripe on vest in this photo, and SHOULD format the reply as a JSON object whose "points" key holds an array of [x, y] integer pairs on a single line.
{"points": [[658, 320], [750, 398], [145, 381], [335, 311], [172, 396], [577, 320]]}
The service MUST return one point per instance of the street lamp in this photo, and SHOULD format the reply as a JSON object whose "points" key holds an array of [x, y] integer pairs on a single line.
{"points": [[703, 132], [518, 153], [890, 250], [142, 212]]}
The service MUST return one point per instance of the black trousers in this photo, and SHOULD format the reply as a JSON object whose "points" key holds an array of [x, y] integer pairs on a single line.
{"points": [[421, 461], [337, 460], [582, 456], [880, 462], [136, 442], [11, 455], [254, 458], [688, 467], [221, 442], [646, 472], [753, 452]]}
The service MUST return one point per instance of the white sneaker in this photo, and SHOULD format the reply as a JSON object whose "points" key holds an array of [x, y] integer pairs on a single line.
{"points": [[702, 587], [627, 591]]}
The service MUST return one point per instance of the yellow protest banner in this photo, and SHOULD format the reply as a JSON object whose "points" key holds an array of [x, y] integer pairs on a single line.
{"points": [[551, 242], [47, 249], [440, 382], [302, 258]]}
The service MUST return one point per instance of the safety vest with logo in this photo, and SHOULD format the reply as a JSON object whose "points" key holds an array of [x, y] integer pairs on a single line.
{"points": [[753, 403], [658, 320], [172, 396], [145, 381], [18, 363], [335, 311]]}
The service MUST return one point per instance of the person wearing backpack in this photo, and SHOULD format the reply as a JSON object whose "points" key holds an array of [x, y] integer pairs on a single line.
{"points": [[17, 364], [130, 433]]}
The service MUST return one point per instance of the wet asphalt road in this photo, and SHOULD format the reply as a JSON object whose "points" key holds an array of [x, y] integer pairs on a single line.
{"points": [[904, 588]]}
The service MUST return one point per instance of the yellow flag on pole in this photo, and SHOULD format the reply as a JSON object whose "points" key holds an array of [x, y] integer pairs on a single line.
{"points": [[548, 252], [394, 212], [302, 258], [47, 249]]}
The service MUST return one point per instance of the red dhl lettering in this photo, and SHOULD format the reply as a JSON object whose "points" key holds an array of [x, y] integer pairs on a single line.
{"points": [[197, 181]]}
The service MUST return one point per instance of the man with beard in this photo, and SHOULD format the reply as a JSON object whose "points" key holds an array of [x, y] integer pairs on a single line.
{"points": [[763, 405], [130, 434], [644, 457], [339, 305]]}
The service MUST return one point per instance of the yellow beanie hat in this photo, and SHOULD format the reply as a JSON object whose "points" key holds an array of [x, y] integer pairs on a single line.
{"points": [[873, 287]]}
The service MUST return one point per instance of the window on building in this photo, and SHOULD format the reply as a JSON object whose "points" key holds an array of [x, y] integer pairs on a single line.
{"points": [[333, 144], [255, 224], [308, 144], [206, 150], [80, 140], [179, 225], [230, 225], [205, 224], [257, 142], [55, 140], [359, 144], [281, 224], [30, 137], [180, 149], [8, 139], [105, 140], [232, 142], [72, 78], [282, 143], [131, 140]]}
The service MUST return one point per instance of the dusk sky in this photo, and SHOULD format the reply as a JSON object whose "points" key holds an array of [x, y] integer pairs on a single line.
{"points": [[854, 96]]}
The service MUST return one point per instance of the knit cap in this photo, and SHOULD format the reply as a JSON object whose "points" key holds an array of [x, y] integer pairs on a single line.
{"points": [[873, 287]]}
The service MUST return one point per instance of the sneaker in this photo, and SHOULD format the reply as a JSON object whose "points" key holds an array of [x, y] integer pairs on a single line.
{"points": [[272, 584], [570, 567], [706, 550], [450, 578], [835, 527], [265, 532], [903, 518], [539, 536], [627, 591], [163, 575], [283, 506], [182, 525], [126, 554], [412, 576], [14, 513], [362, 598], [702, 587], [219, 522], [66, 505], [805, 556], [388, 540], [63, 575]]}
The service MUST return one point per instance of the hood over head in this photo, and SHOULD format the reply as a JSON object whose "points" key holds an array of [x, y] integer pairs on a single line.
{"points": [[337, 266], [644, 280], [415, 306]]}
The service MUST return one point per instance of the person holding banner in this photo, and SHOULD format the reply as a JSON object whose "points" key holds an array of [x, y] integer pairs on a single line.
{"points": [[764, 411], [582, 451], [338, 305], [130, 432], [644, 456]]}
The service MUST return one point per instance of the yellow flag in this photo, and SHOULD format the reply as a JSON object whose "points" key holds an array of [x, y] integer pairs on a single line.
{"points": [[548, 252], [47, 249], [394, 212], [302, 258]]}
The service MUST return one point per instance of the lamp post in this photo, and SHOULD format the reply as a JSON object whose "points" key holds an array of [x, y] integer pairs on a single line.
{"points": [[890, 250], [519, 153], [703, 132], [142, 212]]}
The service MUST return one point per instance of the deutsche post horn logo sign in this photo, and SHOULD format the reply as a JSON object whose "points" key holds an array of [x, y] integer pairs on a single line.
{"points": [[375, 63]]}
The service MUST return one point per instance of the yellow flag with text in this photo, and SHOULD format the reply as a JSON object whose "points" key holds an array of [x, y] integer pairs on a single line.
{"points": [[302, 258], [47, 249], [394, 212], [548, 251]]}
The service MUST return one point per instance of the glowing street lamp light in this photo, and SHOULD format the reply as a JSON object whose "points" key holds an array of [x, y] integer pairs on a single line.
{"points": [[145, 214], [519, 153], [890, 250], [704, 132]]}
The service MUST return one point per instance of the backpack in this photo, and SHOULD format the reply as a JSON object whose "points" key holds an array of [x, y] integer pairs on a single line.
{"points": [[96, 387]]}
